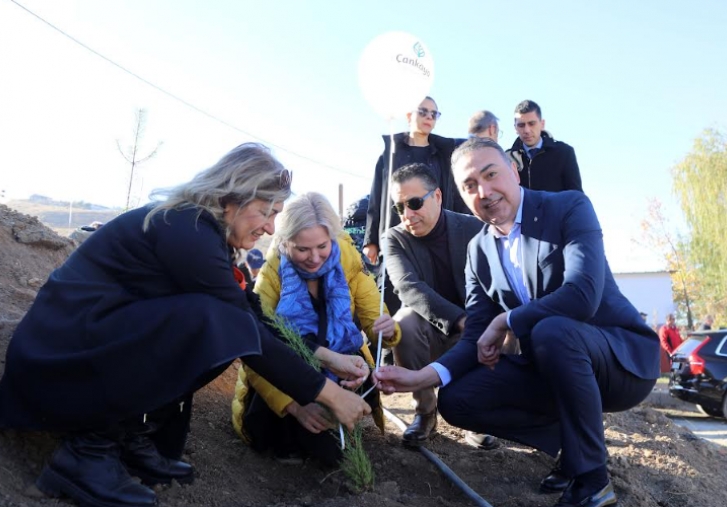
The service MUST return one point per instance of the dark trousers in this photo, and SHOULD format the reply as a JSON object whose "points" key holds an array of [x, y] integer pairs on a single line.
{"points": [[285, 435], [552, 398]]}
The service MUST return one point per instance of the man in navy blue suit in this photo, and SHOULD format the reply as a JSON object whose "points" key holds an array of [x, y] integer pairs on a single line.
{"points": [[539, 270]]}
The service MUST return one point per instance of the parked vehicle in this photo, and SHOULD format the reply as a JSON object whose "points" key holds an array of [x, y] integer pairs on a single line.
{"points": [[699, 372]]}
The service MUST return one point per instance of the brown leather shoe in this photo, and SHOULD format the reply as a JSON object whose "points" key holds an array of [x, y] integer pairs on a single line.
{"points": [[419, 431], [602, 498]]}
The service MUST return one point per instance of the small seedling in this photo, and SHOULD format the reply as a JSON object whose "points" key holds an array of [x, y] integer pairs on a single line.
{"points": [[356, 463], [293, 339]]}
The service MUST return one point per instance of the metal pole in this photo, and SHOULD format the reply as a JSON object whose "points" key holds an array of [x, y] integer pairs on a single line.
{"points": [[382, 244], [340, 201]]}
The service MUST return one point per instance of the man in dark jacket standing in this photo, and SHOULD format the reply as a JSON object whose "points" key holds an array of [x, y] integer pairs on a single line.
{"points": [[543, 162]]}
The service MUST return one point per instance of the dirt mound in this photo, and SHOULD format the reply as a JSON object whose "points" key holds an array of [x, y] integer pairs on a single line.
{"points": [[29, 251], [653, 462]]}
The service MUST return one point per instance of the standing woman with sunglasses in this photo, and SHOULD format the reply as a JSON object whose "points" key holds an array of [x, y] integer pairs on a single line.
{"points": [[418, 145], [140, 316]]}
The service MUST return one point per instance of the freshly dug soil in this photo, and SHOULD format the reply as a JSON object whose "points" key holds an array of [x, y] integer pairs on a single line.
{"points": [[652, 461]]}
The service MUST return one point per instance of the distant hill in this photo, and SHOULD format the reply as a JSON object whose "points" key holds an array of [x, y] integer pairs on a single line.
{"points": [[81, 205], [54, 213]]}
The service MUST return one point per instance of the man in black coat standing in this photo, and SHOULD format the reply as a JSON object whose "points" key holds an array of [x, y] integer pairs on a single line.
{"points": [[543, 162]]}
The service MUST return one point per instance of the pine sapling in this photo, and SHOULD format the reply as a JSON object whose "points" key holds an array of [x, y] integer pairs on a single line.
{"points": [[356, 463], [293, 339]]}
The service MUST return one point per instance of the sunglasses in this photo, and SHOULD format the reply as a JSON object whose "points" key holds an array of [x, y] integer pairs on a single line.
{"points": [[424, 112], [413, 204]]}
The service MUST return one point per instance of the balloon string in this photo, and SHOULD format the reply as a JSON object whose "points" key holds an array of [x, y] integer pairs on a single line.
{"points": [[382, 241]]}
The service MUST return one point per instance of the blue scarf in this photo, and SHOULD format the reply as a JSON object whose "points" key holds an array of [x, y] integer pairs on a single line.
{"points": [[296, 307]]}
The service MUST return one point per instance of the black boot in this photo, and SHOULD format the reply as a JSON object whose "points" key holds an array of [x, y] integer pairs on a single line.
{"points": [[556, 481], [142, 458], [87, 468]]}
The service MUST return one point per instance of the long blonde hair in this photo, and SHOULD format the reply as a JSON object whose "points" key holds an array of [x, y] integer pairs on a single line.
{"points": [[247, 172], [304, 212]]}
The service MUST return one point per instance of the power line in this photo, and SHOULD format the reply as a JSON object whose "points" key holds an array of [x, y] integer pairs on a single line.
{"points": [[181, 100]]}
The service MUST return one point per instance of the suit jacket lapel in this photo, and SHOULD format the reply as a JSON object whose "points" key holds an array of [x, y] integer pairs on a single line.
{"points": [[530, 233]]}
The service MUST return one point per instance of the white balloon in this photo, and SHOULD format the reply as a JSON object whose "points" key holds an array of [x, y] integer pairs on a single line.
{"points": [[395, 72]]}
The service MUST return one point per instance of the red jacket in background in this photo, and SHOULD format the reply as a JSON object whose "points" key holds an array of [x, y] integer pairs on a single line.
{"points": [[670, 338]]}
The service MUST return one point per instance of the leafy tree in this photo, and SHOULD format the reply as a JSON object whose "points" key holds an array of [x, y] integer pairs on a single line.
{"points": [[700, 183], [132, 153], [661, 236]]}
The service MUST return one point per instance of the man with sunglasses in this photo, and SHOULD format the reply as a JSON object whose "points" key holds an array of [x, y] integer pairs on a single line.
{"points": [[543, 162], [426, 261], [418, 145]]}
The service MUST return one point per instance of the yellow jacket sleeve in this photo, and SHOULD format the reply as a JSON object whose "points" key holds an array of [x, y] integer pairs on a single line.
{"points": [[274, 398], [267, 286]]}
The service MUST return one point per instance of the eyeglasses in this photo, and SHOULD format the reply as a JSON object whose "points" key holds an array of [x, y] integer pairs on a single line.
{"points": [[424, 112], [413, 204]]}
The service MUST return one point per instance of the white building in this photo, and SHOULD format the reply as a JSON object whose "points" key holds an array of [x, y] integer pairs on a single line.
{"points": [[649, 292]]}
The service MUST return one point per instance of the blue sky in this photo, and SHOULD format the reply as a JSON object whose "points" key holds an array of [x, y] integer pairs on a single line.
{"points": [[628, 84]]}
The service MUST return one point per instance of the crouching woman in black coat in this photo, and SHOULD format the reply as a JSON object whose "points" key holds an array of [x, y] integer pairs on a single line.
{"points": [[140, 316]]}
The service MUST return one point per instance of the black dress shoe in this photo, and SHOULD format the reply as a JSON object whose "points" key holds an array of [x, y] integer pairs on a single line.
{"points": [[143, 460], [556, 481], [481, 441], [572, 497], [87, 468], [418, 432]]}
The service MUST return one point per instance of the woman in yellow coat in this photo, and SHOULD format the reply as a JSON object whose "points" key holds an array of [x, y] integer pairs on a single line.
{"points": [[316, 280]]}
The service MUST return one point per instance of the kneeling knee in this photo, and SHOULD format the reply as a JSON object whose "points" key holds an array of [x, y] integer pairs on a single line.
{"points": [[451, 406], [551, 333]]}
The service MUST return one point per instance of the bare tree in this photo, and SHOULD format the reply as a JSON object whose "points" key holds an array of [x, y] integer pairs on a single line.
{"points": [[132, 153]]}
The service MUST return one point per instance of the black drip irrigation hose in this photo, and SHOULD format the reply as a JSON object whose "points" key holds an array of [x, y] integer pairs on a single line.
{"points": [[471, 494]]}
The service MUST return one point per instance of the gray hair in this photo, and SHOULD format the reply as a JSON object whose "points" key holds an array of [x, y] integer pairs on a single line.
{"points": [[478, 143], [305, 212], [246, 173], [481, 121]]}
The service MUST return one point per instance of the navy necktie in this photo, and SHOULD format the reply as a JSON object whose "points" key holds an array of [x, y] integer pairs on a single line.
{"points": [[533, 152]]}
